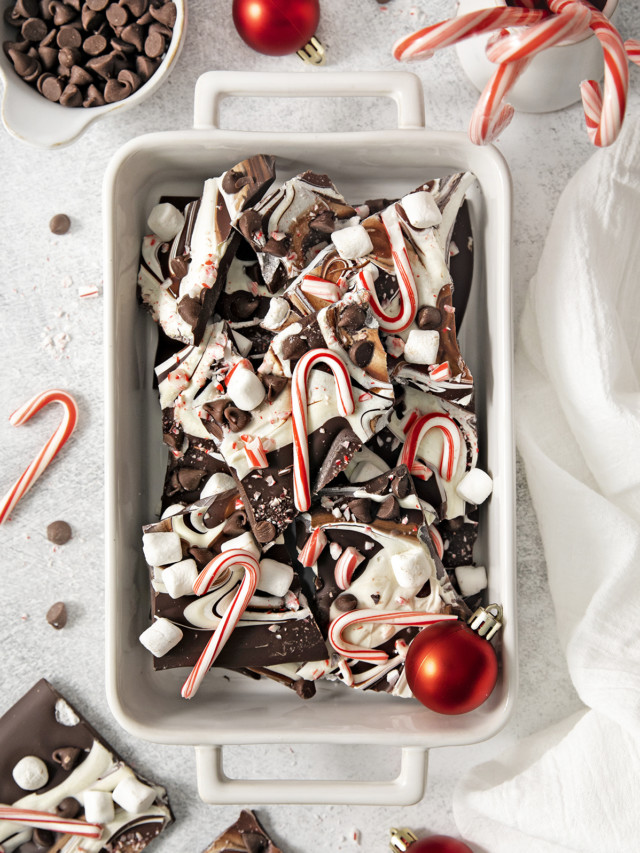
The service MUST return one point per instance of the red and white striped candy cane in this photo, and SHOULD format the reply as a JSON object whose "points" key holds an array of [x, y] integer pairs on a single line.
{"points": [[313, 285], [436, 538], [440, 372], [592, 105], [424, 43], [312, 548], [632, 46], [403, 618], [345, 566], [616, 78], [573, 21], [491, 115], [255, 452], [50, 821], [211, 572], [346, 406], [48, 452], [450, 446]]}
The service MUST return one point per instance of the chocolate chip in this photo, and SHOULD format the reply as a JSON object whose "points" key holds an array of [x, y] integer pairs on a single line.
{"points": [[79, 76], [145, 67], [114, 91], [50, 87], [242, 305], [165, 14], [360, 508], [20, 46], [91, 20], [66, 756], [71, 97], [305, 689], [361, 353], [57, 615], [265, 532], [25, 65], [136, 7], [237, 523], [346, 602], [375, 597], [68, 37], [216, 410], [429, 317], [274, 385], [279, 248], [27, 8], [236, 418], [154, 45], [131, 79], [68, 808], [48, 56], [401, 486], [190, 478], [69, 56], [117, 15], [62, 14], [33, 29], [231, 181], [189, 308], [44, 839], [324, 223], [95, 98], [97, 5], [352, 317], [59, 532], [12, 18], [389, 509], [133, 34], [202, 556], [178, 267], [50, 40], [294, 347], [102, 65], [167, 32], [94, 45]]}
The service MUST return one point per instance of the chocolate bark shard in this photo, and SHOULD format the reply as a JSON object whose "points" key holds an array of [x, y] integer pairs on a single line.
{"points": [[246, 835], [42, 723]]}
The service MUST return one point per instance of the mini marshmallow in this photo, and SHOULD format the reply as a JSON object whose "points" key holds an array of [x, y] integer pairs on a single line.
{"points": [[421, 346], [165, 221], [243, 345], [98, 807], [411, 569], [352, 243], [160, 637], [156, 581], [275, 578], [244, 542], [216, 485], [475, 487], [277, 314], [180, 577], [421, 209], [471, 579], [133, 796], [65, 715], [30, 773], [245, 389], [160, 549]]}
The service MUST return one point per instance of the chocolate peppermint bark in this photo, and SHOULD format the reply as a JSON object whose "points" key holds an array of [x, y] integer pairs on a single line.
{"points": [[246, 835], [52, 760]]}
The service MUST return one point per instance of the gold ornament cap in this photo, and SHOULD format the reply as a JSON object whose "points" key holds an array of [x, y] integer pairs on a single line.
{"points": [[313, 52], [486, 621], [401, 839]]}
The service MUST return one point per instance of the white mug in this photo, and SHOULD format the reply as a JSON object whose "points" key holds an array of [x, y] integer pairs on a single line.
{"points": [[552, 80]]}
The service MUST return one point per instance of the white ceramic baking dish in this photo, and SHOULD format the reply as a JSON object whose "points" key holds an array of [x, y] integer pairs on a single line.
{"points": [[239, 710]]}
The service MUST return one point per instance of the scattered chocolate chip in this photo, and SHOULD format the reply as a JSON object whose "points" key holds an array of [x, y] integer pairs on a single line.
{"points": [[305, 689], [190, 478], [114, 91], [62, 14], [131, 79], [401, 486], [68, 37], [279, 248], [68, 808], [71, 96], [80, 76], [48, 57], [57, 615], [91, 20], [389, 509], [360, 508], [167, 32], [117, 15], [216, 410], [24, 64], [202, 556], [242, 305], [58, 532], [66, 756], [136, 7], [361, 353], [94, 45], [429, 317], [43, 839], [165, 14], [27, 8], [236, 418], [231, 181], [33, 29], [94, 98], [12, 18], [154, 45], [97, 5], [49, 86], [274, 385], [69, 56], [375, 597], [265, 532], [352, 317], [145, 67], [20, 46], [236, 524], [178, 267], [324, 223], [346, 602], [294, 346]]}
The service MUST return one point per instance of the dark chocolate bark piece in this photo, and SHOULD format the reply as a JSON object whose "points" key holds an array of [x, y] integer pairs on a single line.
{"points": [[246, 835]]}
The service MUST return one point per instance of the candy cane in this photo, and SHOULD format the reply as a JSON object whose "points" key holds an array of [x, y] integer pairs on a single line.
{"points": [[211, 572], [423, 43], [48, 452], [404, 618], [632, 46], [573, 21], [616, 78], [346, 565], [450, 447], [440, 372], [490, 115], [346, 406], [592, 105], [50, 821], [312, 548], [313, 285], [255, 452], [436, 538]]}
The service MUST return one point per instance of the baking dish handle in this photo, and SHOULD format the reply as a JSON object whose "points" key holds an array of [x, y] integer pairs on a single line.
{"points": [[215, 787], [402, 86]]}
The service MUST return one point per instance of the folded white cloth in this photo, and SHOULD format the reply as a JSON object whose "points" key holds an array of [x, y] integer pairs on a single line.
{"points": [[574, 787]]}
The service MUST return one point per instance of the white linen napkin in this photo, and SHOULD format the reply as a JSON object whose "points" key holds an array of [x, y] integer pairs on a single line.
{"points": [[576, 785]]}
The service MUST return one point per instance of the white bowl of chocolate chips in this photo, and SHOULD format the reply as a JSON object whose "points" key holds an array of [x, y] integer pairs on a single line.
{"points": [[66, 63]]}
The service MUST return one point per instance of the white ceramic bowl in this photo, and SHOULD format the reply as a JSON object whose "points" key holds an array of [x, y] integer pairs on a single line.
{"points": [[30, 117]]}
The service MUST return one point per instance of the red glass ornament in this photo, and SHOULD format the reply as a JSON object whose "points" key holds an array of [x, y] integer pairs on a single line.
{"points": [[450, 668], [276, 27], [439, 844]]}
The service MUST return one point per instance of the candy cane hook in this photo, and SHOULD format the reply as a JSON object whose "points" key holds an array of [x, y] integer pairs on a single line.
{"points": [[220, 565], [451, 442], [573, 21], [48, 452], [50, 821], [346, 406]]}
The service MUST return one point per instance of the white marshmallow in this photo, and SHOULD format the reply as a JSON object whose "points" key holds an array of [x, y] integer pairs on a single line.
{"points": [[471, 579], [216, 484], [352, 243], [411, 569], [475, 487], [160, 637], [98, 807], [245, 389], [421, 346], [180, 577], [243, 345], [421, 209], [160, 549], [277, 314], [165, 221], [65, 715], [156, 580], [133, 796], [244, 542], [275, 578], [30, 773]]}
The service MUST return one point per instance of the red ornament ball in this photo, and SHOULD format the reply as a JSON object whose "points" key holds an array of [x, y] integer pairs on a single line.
{"points": [[450, 668], [276, 27], [439, 844]]}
